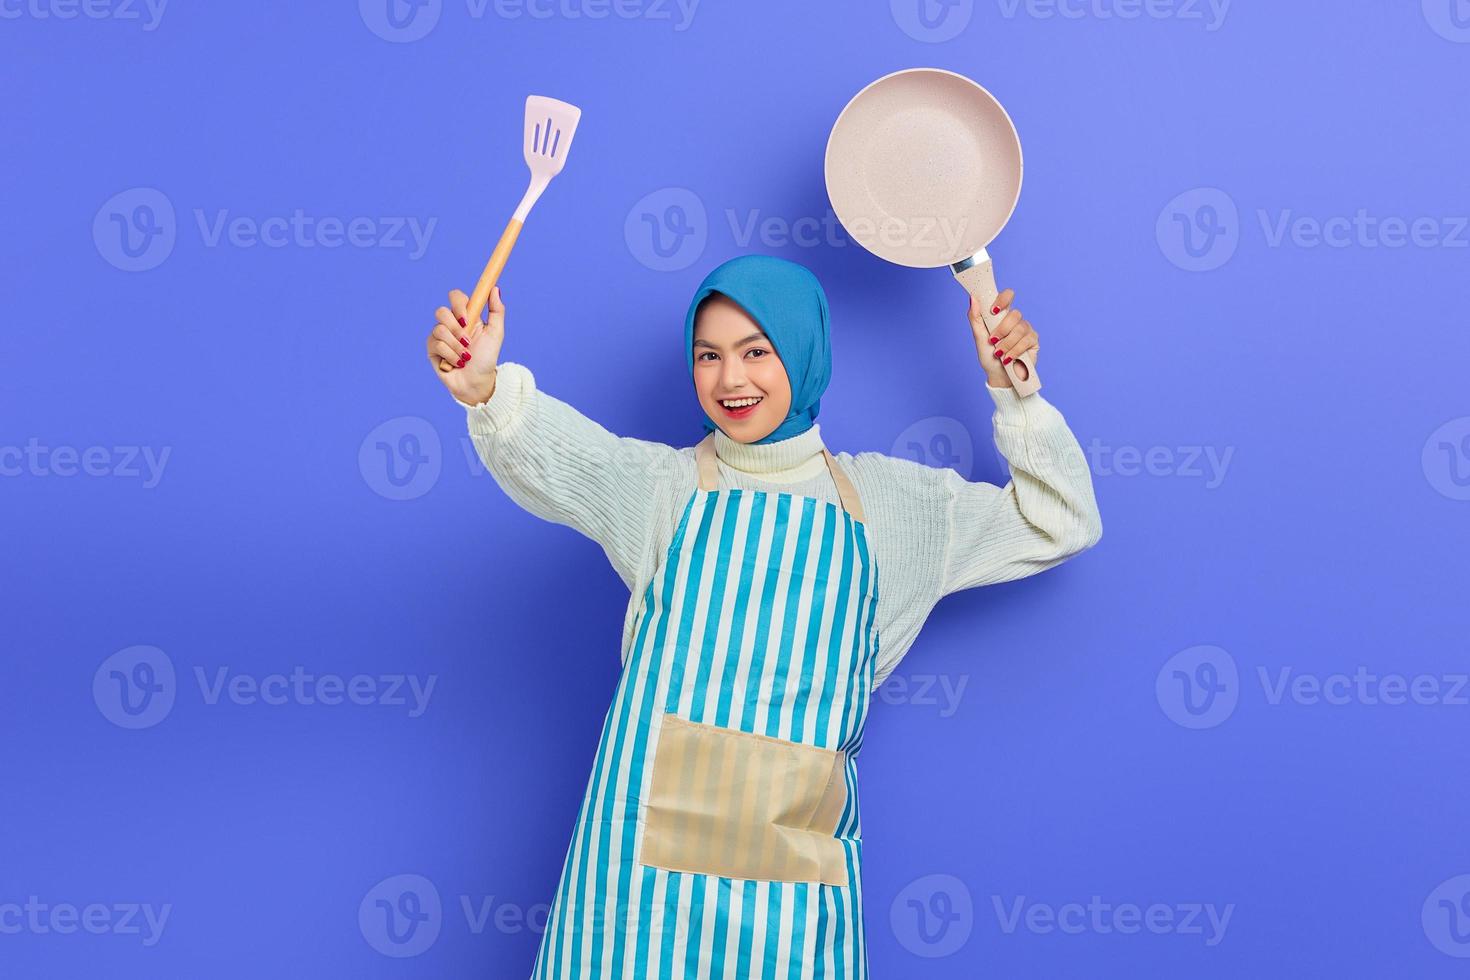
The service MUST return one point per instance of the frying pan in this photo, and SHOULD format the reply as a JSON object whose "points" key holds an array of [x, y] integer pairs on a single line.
{"points": [[923, 169]]}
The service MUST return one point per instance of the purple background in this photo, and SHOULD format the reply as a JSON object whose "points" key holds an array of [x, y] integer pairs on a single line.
{"points": [[1328, 378]]}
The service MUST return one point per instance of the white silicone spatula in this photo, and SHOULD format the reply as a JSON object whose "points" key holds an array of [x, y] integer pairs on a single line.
{"points": [[550, 125]]}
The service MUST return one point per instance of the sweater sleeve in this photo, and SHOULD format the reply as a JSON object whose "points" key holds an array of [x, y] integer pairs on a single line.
{"points": [[565, 468], [1044, 515]]}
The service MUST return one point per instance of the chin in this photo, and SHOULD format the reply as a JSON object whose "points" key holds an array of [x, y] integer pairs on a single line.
{"points": [[752, 430]]}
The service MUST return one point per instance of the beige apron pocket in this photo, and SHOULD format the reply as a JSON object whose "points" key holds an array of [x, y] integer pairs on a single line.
{"points": [[741, 805]]}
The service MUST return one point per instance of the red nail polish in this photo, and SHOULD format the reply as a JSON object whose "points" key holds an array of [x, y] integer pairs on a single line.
{"points": [[999, 355], [463, 341], [1007, 361], [468, 358], [995, 340], [461, 321], [994, 310]]}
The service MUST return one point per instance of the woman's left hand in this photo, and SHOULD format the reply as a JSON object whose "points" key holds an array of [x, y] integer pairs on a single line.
{"points": [[1013, 337]]}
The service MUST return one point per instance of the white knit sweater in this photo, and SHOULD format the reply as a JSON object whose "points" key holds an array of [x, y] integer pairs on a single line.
{"points": [[931, 531]]}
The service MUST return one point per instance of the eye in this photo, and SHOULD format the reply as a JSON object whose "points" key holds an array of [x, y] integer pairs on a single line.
{"points": [[757, 350], [708, 353]]}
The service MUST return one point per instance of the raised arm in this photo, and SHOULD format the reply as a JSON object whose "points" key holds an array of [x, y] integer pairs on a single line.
{"points": [[550, 459], [565, 468], [1044, 515], [1047, 512]]}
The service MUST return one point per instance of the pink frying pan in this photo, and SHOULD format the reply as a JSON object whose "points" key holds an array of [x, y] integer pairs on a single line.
{"points": [[924, 169]]}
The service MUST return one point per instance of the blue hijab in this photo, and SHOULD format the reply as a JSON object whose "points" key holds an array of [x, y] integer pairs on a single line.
{"points": [[786, 300]]}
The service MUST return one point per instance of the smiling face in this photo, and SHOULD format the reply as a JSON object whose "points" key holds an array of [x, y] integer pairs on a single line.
{"points": [[734, 361]]}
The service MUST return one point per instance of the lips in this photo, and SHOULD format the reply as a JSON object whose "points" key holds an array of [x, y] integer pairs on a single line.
{"points": [[740, 413]]}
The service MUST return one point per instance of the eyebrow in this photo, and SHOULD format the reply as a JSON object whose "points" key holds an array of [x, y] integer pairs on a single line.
{"points": [[739, 343]]}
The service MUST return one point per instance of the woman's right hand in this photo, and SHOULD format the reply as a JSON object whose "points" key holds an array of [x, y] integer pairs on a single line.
{"points": [[465, 362]]}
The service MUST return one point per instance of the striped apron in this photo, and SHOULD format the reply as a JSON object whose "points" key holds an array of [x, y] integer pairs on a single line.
{"points": [[719, 833]]}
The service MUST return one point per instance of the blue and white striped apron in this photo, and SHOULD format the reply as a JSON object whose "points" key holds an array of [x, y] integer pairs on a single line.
{"points": [[760, 619]]}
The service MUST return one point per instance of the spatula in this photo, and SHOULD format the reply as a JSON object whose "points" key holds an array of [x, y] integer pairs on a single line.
{"points": [[550, 125]]}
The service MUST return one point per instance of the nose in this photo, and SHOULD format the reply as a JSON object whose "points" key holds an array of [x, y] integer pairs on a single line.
{"points": [[732, 374]]}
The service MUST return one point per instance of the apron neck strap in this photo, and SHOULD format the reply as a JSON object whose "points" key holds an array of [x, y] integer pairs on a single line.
{"points": [[709, 473]]}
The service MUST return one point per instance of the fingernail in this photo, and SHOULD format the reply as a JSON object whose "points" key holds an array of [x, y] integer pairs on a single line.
{"points": [[461, 321], [994, 310], [468, 358], [1006, 361], [995, 340], [998, 354], [463, 341]]}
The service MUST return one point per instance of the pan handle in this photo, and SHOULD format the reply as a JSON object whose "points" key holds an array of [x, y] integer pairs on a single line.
{"points": [[977, 275]]}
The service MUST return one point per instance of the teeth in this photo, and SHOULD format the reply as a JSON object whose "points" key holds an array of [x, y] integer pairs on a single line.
{"points": [[739, 402]]}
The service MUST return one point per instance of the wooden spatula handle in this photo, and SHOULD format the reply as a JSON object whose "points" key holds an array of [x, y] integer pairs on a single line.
{"points": [[979, 281], [488, 278], [493, 268]]}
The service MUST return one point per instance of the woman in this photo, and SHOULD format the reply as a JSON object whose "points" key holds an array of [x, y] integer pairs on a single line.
{"points": [[720, 825]]}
